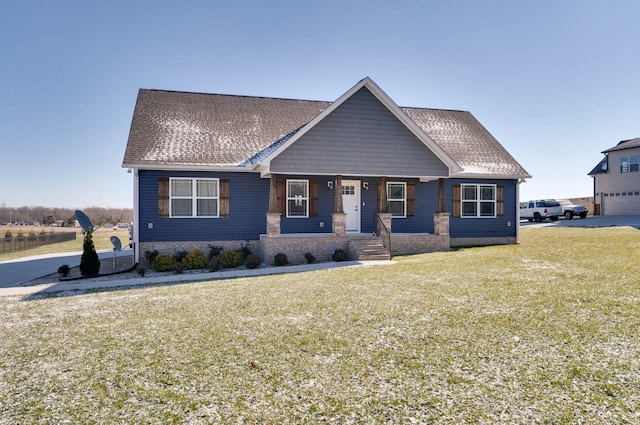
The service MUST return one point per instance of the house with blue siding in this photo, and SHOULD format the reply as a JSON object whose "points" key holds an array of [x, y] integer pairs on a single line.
{"points": [[291, 176]]}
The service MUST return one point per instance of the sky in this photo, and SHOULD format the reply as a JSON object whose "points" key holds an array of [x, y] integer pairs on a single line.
{"points": [[556, 82]]}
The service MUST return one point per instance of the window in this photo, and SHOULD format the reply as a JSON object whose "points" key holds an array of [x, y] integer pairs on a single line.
{"points": [[194, 197], [478, 200], [397, 199], [629, 164], [298, 198]]}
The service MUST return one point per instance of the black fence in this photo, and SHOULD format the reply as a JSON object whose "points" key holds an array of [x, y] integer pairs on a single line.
{"points": [[20, 243]]}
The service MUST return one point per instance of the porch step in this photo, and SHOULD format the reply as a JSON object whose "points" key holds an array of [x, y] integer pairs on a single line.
{"points": [[368, 249]]}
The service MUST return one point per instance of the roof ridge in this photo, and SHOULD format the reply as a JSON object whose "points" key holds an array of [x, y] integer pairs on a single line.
{"points": [[434, 109], [234, 95]]}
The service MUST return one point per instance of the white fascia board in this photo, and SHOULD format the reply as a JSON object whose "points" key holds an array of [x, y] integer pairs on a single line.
{"points": [[390, 104], [489, 176], [182, 167]]}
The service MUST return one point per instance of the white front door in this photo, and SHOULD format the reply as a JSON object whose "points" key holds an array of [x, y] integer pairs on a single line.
{"points": [[351, 204]]}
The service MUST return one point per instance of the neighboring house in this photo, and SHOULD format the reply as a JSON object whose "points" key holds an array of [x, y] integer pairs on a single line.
{"points": [[293, 176], [616, 180]]}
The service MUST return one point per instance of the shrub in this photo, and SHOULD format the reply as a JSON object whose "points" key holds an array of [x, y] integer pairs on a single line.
{"points": [[215, 251], [178, 267], [163, 263], [231, 259], [64, 270], [150, 256], [252, 261], [310, 258], [180, 256], [280, 259], [89, 262], [214, 264], [32, 233], [43, 232], [246, 250], [8, 234], [339, 255], [195, 260], [141, 270]]}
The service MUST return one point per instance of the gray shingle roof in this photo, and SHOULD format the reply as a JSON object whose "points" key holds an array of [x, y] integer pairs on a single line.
{"points": [[194, 129], [625, 144], [177, 128], [462, 136]]}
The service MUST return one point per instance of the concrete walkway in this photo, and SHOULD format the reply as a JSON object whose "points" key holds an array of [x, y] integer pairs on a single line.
{"points": [[97, 283]]}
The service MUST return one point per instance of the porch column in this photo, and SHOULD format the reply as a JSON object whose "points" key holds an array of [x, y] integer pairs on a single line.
{"points": [[273, 216], [338, 218], [338, 196], [383, 207], [442, 202], [441, 217]]}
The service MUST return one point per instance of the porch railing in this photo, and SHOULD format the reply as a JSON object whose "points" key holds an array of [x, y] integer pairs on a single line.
{"points": [[383, 233]]}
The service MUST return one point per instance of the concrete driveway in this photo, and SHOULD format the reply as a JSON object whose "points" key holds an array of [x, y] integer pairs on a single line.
{"points": [[15, 272], [591, 221]]}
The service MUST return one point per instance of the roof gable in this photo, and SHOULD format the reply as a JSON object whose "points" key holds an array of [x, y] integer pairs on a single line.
{"points": [[388, 103], [360, 137]]}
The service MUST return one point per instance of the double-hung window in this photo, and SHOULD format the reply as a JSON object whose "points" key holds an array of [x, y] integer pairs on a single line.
{"points": [[298, 198], [192, 197], [397, 199], [478, 200], [629, 164]]}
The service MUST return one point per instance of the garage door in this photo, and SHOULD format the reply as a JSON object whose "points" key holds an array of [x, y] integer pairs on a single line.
{"points": [[619, 204]]}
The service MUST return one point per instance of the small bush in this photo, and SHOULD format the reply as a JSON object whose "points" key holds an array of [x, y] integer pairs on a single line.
{"points": [[32, 233], [150, 256], [43, 232], [231, 259], [310, 258], [8, 234], [180, 256], [246, 249], [252, 261], [214, 264], [163, 263], [195, 260], [280, 259], [339, 255], [141, 270], [178, 267], [64, 270], [214, 251]]}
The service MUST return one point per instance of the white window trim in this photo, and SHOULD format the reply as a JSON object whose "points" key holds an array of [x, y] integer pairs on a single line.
{"points": [[478, 201], [403, 200], [296, 198], [194, 198]]}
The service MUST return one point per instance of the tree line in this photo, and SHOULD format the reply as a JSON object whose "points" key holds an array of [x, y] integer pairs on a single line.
{"points": [[47, 216]]}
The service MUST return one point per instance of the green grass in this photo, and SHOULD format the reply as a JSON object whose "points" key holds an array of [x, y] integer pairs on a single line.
{"points": [[545, 332], [101, 240]]}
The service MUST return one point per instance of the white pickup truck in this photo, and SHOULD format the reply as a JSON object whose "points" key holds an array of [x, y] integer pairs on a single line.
{"points": [[540, 209]]}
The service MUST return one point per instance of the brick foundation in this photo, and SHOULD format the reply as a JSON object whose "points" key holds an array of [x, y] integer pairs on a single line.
{"points": [[418, 244]]}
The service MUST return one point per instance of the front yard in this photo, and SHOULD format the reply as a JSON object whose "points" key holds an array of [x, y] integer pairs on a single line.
{"points": [[533, 333]]}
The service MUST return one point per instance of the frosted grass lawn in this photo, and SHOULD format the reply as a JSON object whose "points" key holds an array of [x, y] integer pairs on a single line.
{"points": [[534, 333]]}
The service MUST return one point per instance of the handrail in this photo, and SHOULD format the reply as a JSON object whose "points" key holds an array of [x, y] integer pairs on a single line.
{"points": [[381, 229]]}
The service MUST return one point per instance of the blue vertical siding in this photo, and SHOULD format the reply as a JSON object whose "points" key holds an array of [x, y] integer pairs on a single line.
{"points": [[249, 202]]}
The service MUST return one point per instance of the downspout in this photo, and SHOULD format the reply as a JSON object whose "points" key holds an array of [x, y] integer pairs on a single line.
{"points": [[136, 217], [520, 180]]}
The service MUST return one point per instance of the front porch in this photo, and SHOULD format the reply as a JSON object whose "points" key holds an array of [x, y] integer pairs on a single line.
{"points": [[383, 243]]}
